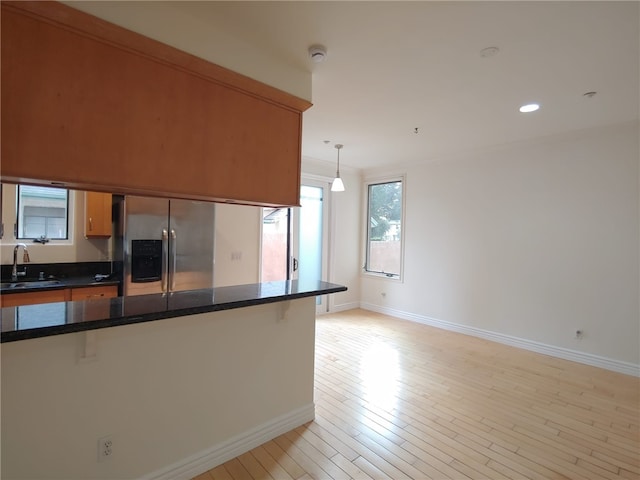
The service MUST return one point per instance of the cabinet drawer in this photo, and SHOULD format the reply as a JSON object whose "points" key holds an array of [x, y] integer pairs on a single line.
{"points": [[94, 293], [32, 298]]}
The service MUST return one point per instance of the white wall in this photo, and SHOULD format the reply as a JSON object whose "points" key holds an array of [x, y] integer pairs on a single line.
{"points": [[531, 240], [77, 249], [237, 245], [170, 393]]}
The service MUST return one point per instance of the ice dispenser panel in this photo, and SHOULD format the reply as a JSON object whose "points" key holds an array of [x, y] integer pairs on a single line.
{"points": [[146, 260]]}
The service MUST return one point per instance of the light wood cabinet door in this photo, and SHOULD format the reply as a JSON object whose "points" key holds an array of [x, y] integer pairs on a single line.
{"points": [[33, 298], [125, 114], [94, 293], [97, 214]]}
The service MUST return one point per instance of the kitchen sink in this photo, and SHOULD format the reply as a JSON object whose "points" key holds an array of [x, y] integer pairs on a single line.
{"points": [[28, 284]]}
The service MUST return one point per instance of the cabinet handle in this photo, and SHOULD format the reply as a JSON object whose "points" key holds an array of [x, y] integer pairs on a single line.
{"points": [[90, 224]]}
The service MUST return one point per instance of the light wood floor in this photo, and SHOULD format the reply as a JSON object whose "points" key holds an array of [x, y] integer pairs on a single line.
{"points": [[395, 399]]}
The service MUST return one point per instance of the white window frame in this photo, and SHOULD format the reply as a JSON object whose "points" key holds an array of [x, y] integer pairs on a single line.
{"points": [[69, 217], [365, 226]]}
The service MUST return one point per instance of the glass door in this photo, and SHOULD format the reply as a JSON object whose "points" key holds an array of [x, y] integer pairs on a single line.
{"points": [[309, 239], [294, 240]]}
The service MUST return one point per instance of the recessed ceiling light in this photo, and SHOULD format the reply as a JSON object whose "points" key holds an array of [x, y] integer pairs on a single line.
{"points": [[531, 107]]}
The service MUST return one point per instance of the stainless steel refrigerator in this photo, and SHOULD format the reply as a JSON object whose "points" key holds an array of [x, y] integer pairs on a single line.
{"points": [[165, 245]]}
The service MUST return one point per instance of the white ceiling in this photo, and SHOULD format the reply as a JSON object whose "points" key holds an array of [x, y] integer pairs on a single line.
{"points": [[396, 66]]}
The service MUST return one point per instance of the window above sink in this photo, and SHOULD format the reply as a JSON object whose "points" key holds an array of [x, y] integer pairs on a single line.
{"points": [[42, 213], [59, 215]]}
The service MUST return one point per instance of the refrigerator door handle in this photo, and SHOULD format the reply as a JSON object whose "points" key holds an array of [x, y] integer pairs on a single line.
{"points": [[174, 259], [165, 253]]}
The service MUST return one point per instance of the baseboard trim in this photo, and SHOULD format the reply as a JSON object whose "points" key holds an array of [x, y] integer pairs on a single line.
{"points": [[344, 307], [560, 352], [209, 458]]}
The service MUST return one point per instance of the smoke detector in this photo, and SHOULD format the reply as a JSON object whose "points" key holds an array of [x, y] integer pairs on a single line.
{"points": [[317, 53]]}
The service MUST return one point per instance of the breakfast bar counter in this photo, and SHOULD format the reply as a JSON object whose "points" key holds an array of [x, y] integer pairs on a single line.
{"points": [[34, 321], [177, 384]]}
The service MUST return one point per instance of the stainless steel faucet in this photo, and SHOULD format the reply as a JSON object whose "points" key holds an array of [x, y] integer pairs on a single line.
{"points": [[25, 259]]}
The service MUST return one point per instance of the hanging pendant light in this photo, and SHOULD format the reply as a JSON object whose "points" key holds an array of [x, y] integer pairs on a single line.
{"points": [[337, 185]]}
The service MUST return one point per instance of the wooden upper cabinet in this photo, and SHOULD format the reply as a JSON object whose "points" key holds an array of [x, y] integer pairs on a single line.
{"points": [[97, 215], [94, 106]]}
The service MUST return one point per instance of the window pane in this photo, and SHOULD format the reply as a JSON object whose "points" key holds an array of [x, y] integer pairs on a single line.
{"points": [[310, 235], [42, 211], [384, 251], [56, 227], [33, 227]]}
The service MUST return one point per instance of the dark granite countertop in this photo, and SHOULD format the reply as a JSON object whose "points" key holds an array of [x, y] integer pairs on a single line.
{"points": [[34, 321], [34, 285]]}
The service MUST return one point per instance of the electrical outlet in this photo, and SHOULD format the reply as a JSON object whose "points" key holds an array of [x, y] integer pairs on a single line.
{"points": [[105, 449]]}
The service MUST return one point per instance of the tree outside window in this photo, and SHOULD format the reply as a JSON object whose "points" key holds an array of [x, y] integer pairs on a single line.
{"points": [[384, 246]]}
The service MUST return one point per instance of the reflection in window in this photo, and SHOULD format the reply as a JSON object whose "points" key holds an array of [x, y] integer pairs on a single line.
{"points": [[42, 212]]}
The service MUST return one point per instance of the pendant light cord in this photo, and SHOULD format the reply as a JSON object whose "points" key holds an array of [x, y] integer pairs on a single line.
{"points": [[338, 147]]}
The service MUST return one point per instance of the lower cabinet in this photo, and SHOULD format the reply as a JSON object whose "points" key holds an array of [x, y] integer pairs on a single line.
{"points": [[94, 293], [33, 298], [59, 295], [94, 310]]}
